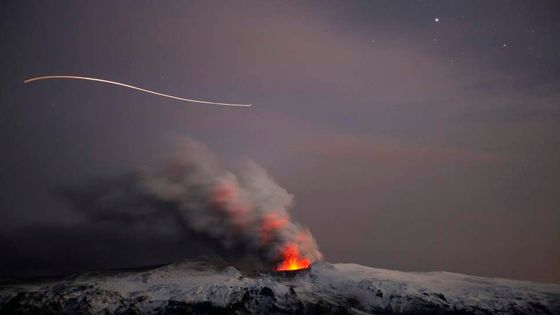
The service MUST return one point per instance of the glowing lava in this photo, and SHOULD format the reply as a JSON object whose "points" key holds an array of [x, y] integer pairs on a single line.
{"points": [[292, 260]]}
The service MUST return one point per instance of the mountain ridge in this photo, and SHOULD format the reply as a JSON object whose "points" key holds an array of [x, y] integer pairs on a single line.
{"points": [[201, 287]]}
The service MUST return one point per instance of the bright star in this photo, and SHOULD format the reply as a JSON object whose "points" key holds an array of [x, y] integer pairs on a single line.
{"points": [[436, 20]]}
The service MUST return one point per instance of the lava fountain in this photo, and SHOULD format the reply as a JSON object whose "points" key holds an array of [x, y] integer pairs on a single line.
{"points": [[292, 259]]}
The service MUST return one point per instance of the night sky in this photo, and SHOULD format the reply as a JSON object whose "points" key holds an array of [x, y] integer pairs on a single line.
{"points": [[415, 135]]}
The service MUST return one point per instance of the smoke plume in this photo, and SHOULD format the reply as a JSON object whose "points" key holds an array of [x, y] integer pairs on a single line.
{"points": [[241, 215]]}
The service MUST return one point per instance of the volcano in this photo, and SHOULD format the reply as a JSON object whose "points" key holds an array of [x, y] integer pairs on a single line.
{"points": [[202, 287]]}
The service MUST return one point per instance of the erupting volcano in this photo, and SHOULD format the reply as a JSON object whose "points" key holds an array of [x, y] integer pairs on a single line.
{"points": [[244, 217]]}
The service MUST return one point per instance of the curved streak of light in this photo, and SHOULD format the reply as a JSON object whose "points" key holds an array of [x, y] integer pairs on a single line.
{"points": [[72, 77]]}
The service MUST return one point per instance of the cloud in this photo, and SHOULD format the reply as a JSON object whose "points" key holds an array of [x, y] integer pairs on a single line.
{"points": [[355, 148]]}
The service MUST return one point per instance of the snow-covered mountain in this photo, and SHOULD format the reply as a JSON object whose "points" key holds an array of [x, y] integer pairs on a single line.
{"points": [[203, 288]]}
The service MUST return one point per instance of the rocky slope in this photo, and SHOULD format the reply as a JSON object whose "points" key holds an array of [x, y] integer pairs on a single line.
{"points": [[201, 288]]}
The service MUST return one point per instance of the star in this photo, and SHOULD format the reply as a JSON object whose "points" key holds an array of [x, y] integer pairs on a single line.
{"points": [[436, 19]]}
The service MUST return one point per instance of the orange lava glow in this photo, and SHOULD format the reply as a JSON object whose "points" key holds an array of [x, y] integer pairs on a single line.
{"points": [[223, 193], [270, 223], [292, 260]]}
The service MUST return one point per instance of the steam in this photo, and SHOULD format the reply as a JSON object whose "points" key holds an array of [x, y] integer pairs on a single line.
{"points": [[240, 215]]}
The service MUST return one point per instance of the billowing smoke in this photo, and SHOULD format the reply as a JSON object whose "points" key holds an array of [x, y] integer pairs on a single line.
{"points": [[240, 215]]}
